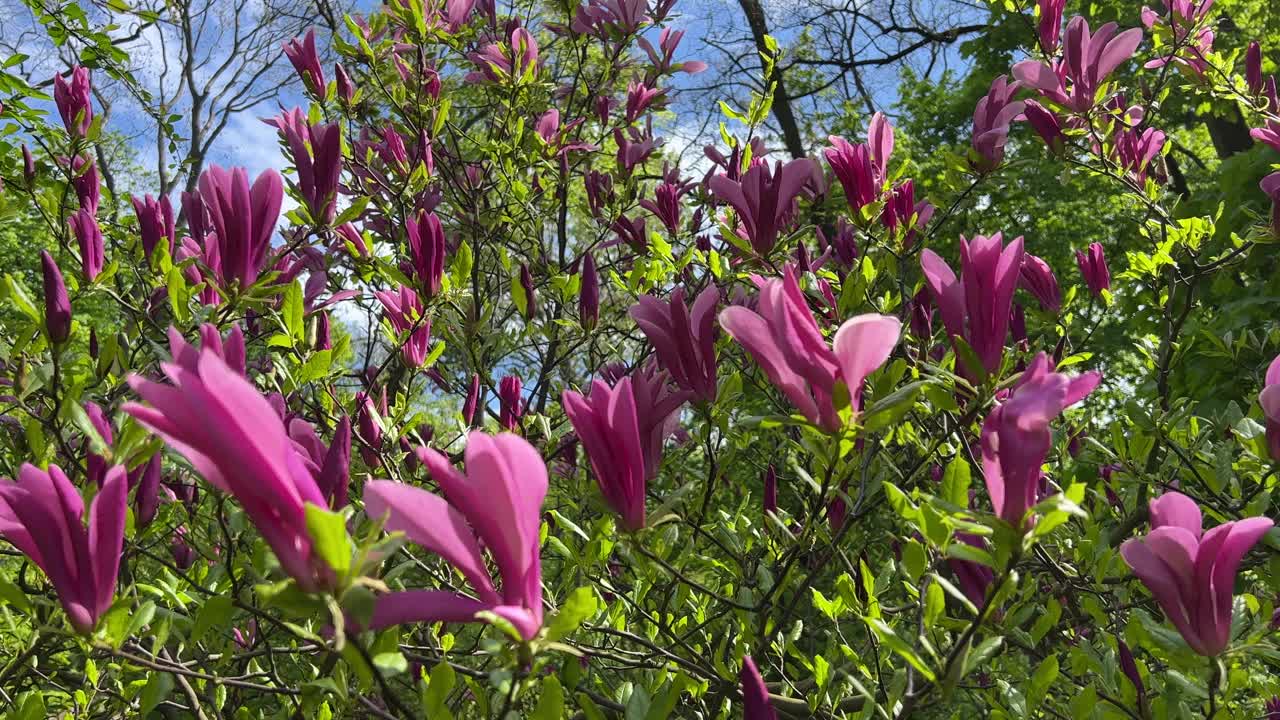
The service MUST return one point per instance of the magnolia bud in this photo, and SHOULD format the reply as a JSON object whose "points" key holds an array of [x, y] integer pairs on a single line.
{"points": [[57, 306]]}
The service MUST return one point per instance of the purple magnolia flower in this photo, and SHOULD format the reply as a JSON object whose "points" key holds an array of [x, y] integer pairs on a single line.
{"points": [[639, 97], [755, 694], [497, 505], [1269, 135], [472, 402], [843, 243], [684, 338], [1135, 151], [668, 41], [497, 63], [862, 168], [95, 464], [84, 225], [632, 232], [902, 210], [1190, 572], [155, 223], [1036, 277], [510, 404], [369, 425], [976, 308], [1093, 266], [331, 465], [785, 340], [346, 89], [316, 151], [1271, 186], [41, 514], [1269, 399], [73, 101], [666, 201], [306, 62], [991, 119], [243, 220], [622, 429], [214, 417], [1273, 709], [57, 306], [28, 166], [975, 579], [530, 292], [146, 500], [404, 311], [1046, 124], [764, 199], [1050, 26], [634, 147], [589, 295], [1088, 60], [1253, 68], [1016, 437], [84, 178], [1129, 667]]}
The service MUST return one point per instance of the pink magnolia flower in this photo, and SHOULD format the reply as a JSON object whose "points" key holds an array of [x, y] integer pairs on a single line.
{"points": [[1016, 437], [976, 307], [1135, 151], [497, 505], [306, 62], [57, 304], [1269, 399], [155, 223], [1037, 278], [666, 201], [1046, 124], [41, 514], [1088, 60], [991, 119], [662, 58], [902, 210], [1093, 266], [316, 151], [84, 178], [214, 417], [84, 225], [683, 337], [1191, 572], [622, 429], [243, 221], [1271, 186], [785, 340], [74, 101], [764, 199], [1050, 25], [404, 311], [639, 97], [755, 694], [1270, 134], [510, 404], [862, 168], [497, 62]]}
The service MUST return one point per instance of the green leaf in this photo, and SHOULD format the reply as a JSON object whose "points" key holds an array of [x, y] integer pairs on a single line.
{"points": [[293, 311], [157, 689], [436, 693], [955, 482], [890, 639], [216, 612], [1041, 681], [935, 603], [580, 605], [328, 531], [551, 703]]}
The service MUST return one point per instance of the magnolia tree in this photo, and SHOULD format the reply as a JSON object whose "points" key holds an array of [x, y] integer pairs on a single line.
{"points": [[485, 408]]}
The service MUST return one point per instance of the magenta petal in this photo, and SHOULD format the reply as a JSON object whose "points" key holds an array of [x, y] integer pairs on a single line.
{"points": [[432, 523], [1178, 510], [1162, 583], [1243, 535], [863, 344], [755, 695], [414, 606], [106, 536]]}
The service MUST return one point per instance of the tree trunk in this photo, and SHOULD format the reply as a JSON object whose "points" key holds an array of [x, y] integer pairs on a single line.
{"points": [[782, 109]]}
